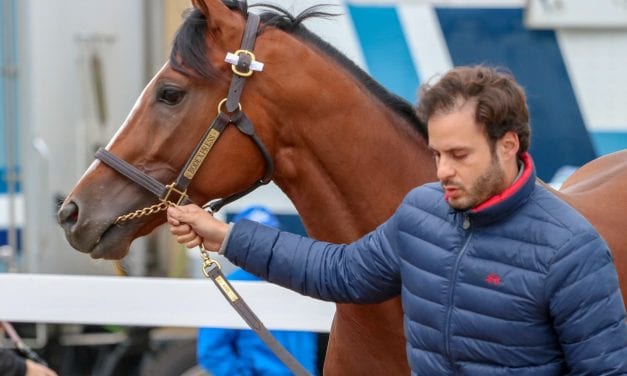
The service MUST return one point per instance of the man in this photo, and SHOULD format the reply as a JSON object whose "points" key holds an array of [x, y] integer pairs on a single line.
{"points": [[12, 364], [497, 276], [233, 352]]}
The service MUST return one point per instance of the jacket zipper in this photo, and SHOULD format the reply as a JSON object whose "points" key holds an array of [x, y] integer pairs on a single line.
{"points": [[451, 291]]}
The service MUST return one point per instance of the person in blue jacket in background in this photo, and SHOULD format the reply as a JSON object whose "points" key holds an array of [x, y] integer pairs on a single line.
{"points": [[236, 352]]}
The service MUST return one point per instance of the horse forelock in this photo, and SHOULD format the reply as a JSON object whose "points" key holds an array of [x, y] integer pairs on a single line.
{"points": [[189, 53]]}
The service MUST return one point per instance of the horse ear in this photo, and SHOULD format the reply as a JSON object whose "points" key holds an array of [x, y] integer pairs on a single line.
{"points": [[200, 5], [223, 24], [215, 11]]}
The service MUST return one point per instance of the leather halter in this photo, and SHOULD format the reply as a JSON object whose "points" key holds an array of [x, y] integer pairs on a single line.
{"points": [[166, 193], [176, 192]]}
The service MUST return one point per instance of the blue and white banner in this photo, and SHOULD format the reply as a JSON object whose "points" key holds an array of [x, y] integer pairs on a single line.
{"points": [[575, 80]]}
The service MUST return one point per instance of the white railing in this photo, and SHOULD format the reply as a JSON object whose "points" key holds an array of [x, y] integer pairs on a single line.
{"points": [[153, 302]]}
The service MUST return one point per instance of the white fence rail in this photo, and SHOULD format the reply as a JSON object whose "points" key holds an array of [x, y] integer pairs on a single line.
{"points": [[153, 302]]}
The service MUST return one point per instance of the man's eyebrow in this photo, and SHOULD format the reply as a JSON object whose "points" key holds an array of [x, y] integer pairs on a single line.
{"points": [[459, 148], [450, 150]]}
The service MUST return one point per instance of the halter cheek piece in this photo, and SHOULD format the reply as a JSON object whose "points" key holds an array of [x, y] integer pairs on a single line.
{"points": [[243, 64]]}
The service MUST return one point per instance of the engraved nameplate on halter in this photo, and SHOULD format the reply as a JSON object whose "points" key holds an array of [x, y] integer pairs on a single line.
{"points": [[204, 149]]}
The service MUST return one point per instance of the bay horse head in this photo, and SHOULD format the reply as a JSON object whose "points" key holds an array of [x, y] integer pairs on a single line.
{"points": [[161, 131], [168, 125]]}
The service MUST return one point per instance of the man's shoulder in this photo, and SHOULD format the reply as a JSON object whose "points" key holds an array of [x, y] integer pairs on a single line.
{"points": [[428, 194], [427, 198], [558, 213]]}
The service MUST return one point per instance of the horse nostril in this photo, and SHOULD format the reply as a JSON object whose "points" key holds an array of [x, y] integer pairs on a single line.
{"points": [[68, 214]]}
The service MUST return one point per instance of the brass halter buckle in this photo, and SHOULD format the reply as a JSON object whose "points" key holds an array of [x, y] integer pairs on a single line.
{"points": [[171, 188], [250, 69]]}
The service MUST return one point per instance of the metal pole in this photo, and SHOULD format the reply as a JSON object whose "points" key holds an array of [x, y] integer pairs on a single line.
{"points": [[9, 73], [154, 46]]}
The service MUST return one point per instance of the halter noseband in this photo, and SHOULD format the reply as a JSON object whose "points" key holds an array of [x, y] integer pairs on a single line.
{"points": [[176, 192]]}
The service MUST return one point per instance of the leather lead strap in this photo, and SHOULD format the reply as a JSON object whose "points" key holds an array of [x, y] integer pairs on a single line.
{"points": [[215, 274]]}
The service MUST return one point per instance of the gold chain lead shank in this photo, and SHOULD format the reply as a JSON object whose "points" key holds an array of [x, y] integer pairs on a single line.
{"points": [[156, 208]]}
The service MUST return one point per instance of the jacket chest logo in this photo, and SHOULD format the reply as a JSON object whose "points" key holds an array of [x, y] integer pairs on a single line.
{"points": [[493, 279]]}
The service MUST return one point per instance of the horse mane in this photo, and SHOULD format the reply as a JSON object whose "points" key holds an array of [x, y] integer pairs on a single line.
{"points": [[189, 52]]}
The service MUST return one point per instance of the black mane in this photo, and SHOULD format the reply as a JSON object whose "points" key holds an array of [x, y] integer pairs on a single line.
{"points": [[189, 52]]}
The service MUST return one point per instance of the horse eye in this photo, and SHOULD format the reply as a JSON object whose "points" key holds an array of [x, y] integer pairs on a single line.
{"points": [[170, 95]]}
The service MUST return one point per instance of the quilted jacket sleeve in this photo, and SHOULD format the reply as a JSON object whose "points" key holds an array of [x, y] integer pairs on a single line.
{"points": [[587, 308], [366, 271]]}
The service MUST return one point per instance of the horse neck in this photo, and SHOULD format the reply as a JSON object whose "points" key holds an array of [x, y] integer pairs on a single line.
{"points": [[343, 157], [348, 170]]}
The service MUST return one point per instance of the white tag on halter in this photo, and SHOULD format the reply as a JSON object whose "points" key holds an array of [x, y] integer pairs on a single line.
{"points": [[255, 65]]}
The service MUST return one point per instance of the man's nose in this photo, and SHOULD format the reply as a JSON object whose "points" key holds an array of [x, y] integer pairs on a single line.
{"points": [[444, 170]]}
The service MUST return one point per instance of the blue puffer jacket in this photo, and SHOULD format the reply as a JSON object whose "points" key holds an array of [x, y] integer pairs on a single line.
{"points": [[521, 286]]}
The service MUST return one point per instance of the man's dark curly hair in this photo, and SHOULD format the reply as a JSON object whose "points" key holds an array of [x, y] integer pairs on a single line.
{"points": [[501, 105]]}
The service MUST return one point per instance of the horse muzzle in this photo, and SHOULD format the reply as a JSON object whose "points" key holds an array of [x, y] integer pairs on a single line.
{"points": [[94, 236]]}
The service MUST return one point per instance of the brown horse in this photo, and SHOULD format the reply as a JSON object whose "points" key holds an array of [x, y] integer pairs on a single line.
{"points": [[598, 190], [345, 151]]}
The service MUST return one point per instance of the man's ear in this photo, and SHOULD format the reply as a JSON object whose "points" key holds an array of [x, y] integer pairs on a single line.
{"points": [[509, 145]]}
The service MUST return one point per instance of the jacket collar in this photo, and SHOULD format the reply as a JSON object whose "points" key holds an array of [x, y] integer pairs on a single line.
{"points": [[502, 205]]}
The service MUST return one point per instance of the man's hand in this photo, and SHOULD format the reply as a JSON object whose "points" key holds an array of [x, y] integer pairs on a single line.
{"points": [[36, 369], [191, 226]]}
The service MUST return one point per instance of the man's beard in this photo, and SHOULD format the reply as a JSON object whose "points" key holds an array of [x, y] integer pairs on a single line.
{"points": [[490, 183]]}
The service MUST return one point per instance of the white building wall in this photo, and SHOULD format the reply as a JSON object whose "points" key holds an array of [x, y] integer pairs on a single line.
{"points": [[58, 117], [597, 64]]}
